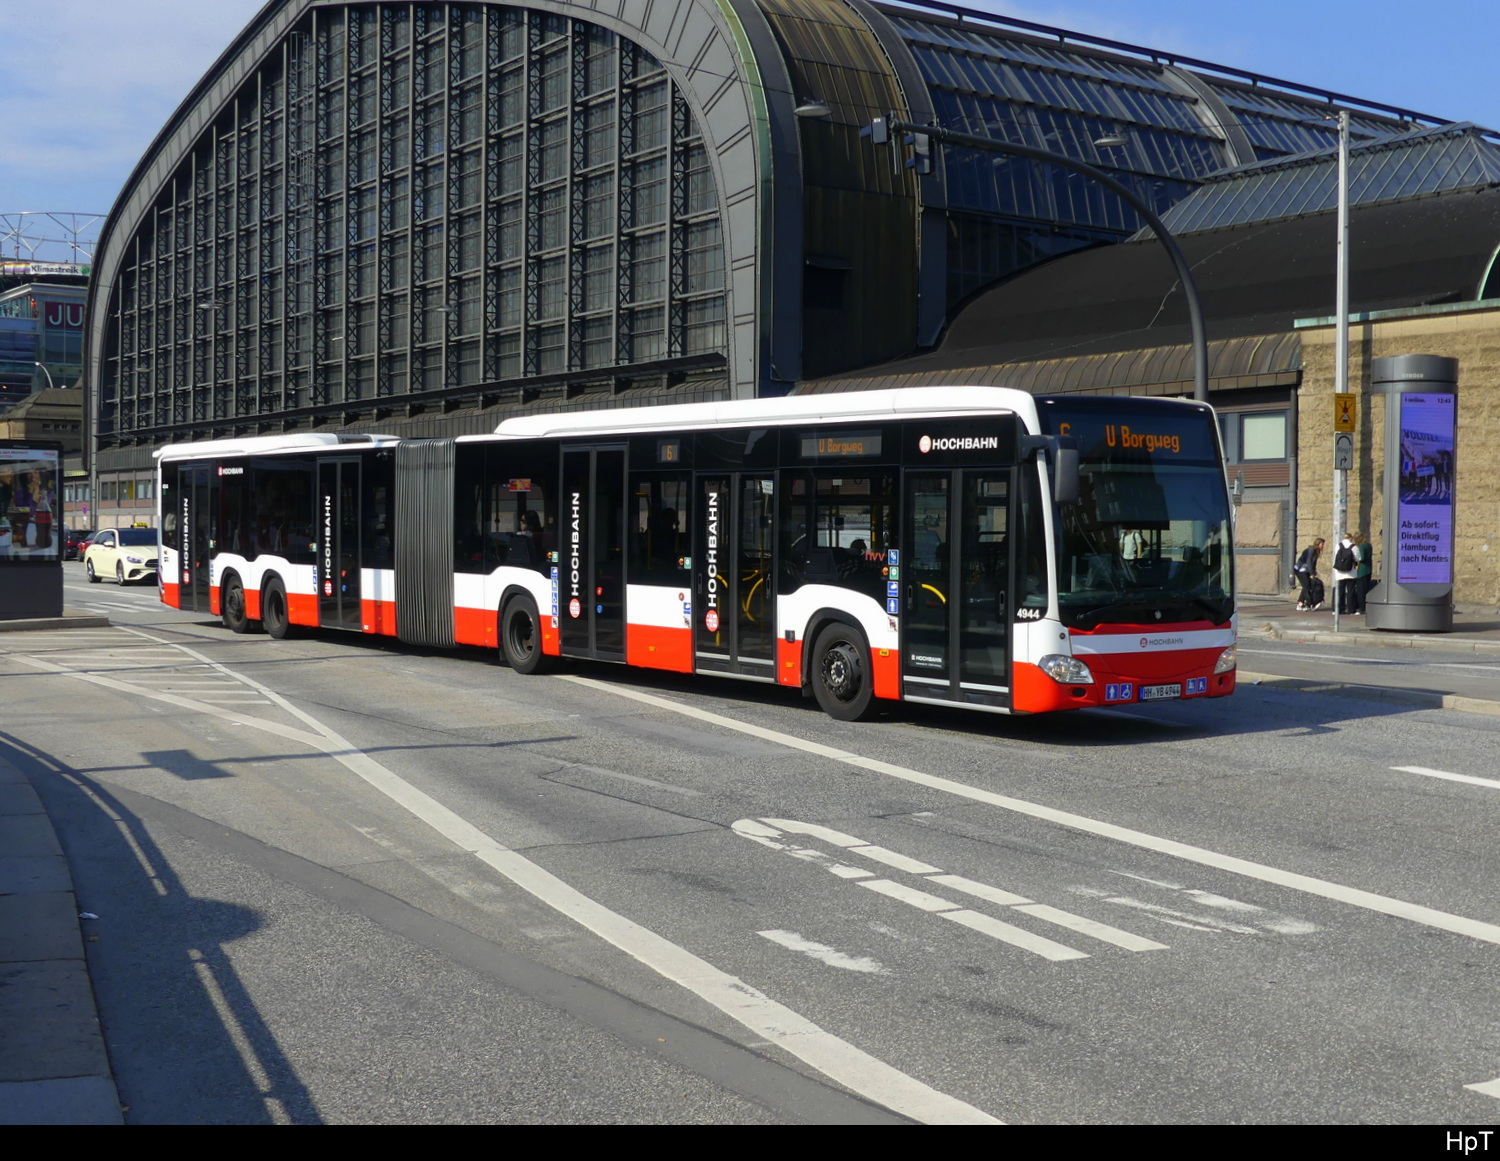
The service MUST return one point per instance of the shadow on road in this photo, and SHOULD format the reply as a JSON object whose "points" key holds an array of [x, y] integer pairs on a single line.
{"points": [[185, 1039]]}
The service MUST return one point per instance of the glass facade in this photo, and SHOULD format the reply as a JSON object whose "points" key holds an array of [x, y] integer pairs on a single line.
{"points": [[1150, 125], [408, 200], [1390, 168]]}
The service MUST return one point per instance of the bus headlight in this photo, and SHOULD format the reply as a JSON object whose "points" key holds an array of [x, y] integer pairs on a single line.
{"points": [[1065, 670], [1226, 661]]}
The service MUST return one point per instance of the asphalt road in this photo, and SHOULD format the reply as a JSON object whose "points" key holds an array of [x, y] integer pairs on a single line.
{"points": [[346, 881]]}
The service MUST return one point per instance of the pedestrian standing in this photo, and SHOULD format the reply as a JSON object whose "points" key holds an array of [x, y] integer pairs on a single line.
{"points": [[1306, 571], [1362, 557], [1344, 565]]}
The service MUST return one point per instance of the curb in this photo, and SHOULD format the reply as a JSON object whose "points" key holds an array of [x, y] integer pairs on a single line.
{"points": [[69, 620], [54, 1068], [1372, 638], [1415, 698]]}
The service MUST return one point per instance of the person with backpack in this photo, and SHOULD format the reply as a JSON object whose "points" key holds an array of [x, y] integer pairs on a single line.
{"points": [[1345, 564], [1306, 572], [1362, 570]]}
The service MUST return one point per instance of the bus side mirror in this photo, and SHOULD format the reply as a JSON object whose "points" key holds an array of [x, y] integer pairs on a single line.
{"points": [[1061, 452], [1065, 475]]}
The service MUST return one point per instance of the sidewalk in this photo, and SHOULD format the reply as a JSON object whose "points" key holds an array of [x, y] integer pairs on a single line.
{"points": [[53, 1066], [1476, 630]]}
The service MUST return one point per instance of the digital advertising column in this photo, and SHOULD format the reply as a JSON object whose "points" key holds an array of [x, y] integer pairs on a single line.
{"points": [[1415, 593]]}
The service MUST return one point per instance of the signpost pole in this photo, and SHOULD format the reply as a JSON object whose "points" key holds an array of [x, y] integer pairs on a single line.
{"points": [[1341, 344]]}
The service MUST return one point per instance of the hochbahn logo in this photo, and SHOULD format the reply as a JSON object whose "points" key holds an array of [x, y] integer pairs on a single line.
{"points": [[958, 443], [711, 616], [575, 606]]}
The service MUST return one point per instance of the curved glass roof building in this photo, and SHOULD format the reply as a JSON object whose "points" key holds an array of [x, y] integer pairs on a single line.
{"points": [[423, 217]]}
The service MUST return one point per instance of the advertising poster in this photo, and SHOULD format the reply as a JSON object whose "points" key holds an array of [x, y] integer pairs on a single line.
{"points": [[1424, 525], [28, 503]]}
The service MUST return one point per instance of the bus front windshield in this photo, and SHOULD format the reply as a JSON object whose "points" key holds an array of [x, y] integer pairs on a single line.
{"points": [[1148, 540]]}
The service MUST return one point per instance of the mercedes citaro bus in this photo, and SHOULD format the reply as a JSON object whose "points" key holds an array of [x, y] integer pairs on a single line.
{"points": [[963, 546]]}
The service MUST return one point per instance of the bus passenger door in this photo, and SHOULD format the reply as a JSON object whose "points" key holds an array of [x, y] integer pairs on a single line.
{"points": [[734, 581], [591, 553], [955, 587], [338, 545], [199, 517]]}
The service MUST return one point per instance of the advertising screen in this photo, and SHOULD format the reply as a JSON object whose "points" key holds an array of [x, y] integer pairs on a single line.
{"points": [[1424, 506], [28, 503]]}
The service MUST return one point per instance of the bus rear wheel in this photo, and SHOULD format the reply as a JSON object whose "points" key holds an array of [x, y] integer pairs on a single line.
{"points": [[841, 678], [273, 610], [521, 636]]}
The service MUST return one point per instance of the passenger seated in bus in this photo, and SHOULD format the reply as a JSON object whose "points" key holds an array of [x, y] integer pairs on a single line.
{"points": [[853, 561], [530, 543]]}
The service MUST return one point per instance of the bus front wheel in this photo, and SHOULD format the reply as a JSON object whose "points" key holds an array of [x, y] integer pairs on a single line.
{"points": [[841, 678], [521, 636]]}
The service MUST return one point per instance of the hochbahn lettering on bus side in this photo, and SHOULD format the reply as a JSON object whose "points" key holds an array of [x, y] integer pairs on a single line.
{"points": [[711, 616], [328, 544], [575, 547], [187, 541]]}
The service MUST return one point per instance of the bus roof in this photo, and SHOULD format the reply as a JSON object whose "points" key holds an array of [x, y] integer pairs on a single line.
{"points": [[267, 444], [888, 404]]}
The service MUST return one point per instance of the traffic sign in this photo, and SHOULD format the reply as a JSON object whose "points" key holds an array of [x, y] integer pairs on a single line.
{"points": [[1343, 452], [1344, 411]]}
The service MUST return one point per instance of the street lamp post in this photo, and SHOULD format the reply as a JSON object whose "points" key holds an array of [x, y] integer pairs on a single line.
{"points": [[46, 373], [881, 128]]}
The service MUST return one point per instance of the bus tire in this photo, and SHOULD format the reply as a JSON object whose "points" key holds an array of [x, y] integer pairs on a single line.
{"points": [[232, 605], [841, 677], [521, 636], [273, 610]]}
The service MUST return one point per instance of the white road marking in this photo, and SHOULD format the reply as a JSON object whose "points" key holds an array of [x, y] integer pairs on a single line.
{"points": [[1469, 779], [1181, 918], [1292, 880], [777, 1024], [1488, 1088], [980, 890], [921, 900], [892, 859], [792, 941], [1018, 936], [1265, 920], [243, 1045], [1100, 931], [766, 831]]}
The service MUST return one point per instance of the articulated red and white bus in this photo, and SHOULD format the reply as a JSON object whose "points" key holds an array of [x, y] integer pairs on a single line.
{"points": [[968, 546]]}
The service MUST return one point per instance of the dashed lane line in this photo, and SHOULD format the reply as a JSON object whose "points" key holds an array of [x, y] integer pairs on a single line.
{"points": [[770, 832], [1351, 896], [1428, 772]]}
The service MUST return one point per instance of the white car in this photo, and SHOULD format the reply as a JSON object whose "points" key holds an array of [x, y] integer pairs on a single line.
{"points": [[127, 554]]}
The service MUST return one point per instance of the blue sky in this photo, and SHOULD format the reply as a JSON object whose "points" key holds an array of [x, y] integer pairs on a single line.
{"points": [[86, 84]]}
